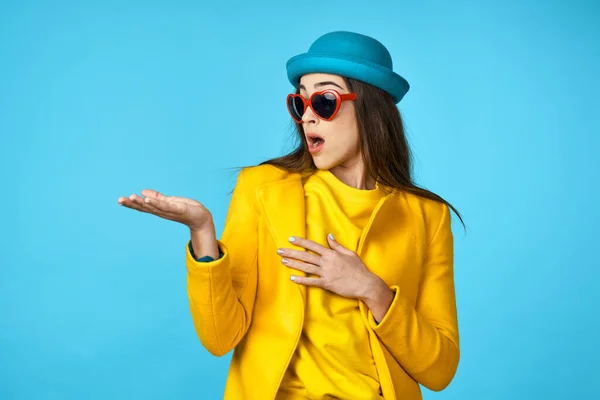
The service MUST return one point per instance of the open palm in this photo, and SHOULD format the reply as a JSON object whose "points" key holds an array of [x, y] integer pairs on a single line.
{"points": [[180, 209]]}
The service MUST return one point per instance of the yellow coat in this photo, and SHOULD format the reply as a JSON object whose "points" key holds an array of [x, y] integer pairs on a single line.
{"points": [[246, 301]]}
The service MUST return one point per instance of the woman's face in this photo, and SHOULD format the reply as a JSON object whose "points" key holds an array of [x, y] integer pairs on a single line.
{"points": [[340, 144]]}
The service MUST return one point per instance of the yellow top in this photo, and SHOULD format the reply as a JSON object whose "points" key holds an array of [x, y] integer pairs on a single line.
{"points": [[333, 358]]}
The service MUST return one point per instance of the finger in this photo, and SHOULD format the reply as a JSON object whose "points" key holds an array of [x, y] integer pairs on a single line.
{"points": [[335, 245], [154, 208], [122, 199], [156, 195], [302, 266], [153, 194], [301, 255], [302, 280], [135, 202], [129, 203], [309, 244]]}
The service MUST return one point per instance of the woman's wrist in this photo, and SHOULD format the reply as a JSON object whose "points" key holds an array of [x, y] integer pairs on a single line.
{"points": [[378, 297], [204, 242]]}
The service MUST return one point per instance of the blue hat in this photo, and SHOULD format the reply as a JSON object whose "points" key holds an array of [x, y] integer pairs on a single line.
{"points": [[350, 55]]}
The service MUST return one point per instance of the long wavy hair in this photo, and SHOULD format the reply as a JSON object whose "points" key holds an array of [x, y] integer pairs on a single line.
{"points": [[382, 142]]}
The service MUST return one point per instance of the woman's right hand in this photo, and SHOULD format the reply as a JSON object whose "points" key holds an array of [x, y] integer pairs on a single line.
{"points": [[179, 209]]}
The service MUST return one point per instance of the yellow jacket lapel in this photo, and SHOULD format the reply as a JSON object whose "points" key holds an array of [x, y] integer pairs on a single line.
{"points": [[282, 204]]}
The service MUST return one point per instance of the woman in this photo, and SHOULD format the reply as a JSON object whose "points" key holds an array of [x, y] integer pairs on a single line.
{"points": [[334, 274]]}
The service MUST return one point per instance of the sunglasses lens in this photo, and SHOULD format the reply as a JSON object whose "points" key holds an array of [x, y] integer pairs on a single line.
{"points": [[324, 104], [296, 107]]}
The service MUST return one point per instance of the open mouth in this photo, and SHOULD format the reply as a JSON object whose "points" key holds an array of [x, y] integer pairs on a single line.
{"points": [[314, 140]]}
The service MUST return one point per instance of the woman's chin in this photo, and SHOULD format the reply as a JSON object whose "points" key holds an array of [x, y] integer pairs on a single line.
{"points": [[321, 163], [327, 162]]}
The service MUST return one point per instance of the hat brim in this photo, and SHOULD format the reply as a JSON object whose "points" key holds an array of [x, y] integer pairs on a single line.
{"points": [[361, 70]]}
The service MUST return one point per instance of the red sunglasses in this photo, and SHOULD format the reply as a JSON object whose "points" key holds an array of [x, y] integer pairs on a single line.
{"points": [[325, 104]]}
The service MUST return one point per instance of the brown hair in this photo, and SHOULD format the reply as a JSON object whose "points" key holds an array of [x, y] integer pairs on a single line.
{"points": [[382, 140]]}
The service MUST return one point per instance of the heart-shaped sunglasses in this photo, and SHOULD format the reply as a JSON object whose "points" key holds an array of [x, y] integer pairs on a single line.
{"points": [[325, 104]]}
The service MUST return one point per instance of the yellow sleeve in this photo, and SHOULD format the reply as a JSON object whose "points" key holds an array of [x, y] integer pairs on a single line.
{"points": [[424, 338], [221, 292]]}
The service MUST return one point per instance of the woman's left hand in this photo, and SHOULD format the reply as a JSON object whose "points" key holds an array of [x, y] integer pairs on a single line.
{"points": [[338, 269]]}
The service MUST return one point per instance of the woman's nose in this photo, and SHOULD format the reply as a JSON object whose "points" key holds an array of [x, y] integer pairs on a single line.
{"points": [[309, 116]]}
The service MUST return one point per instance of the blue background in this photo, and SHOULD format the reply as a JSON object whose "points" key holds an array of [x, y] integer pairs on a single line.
{"points": [[103, 99]]}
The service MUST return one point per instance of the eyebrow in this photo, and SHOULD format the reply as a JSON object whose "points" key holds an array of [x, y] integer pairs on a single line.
{"points": [[318, 84]]}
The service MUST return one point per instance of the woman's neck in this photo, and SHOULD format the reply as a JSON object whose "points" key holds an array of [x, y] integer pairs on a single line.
{"points": [[354, 175]]}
